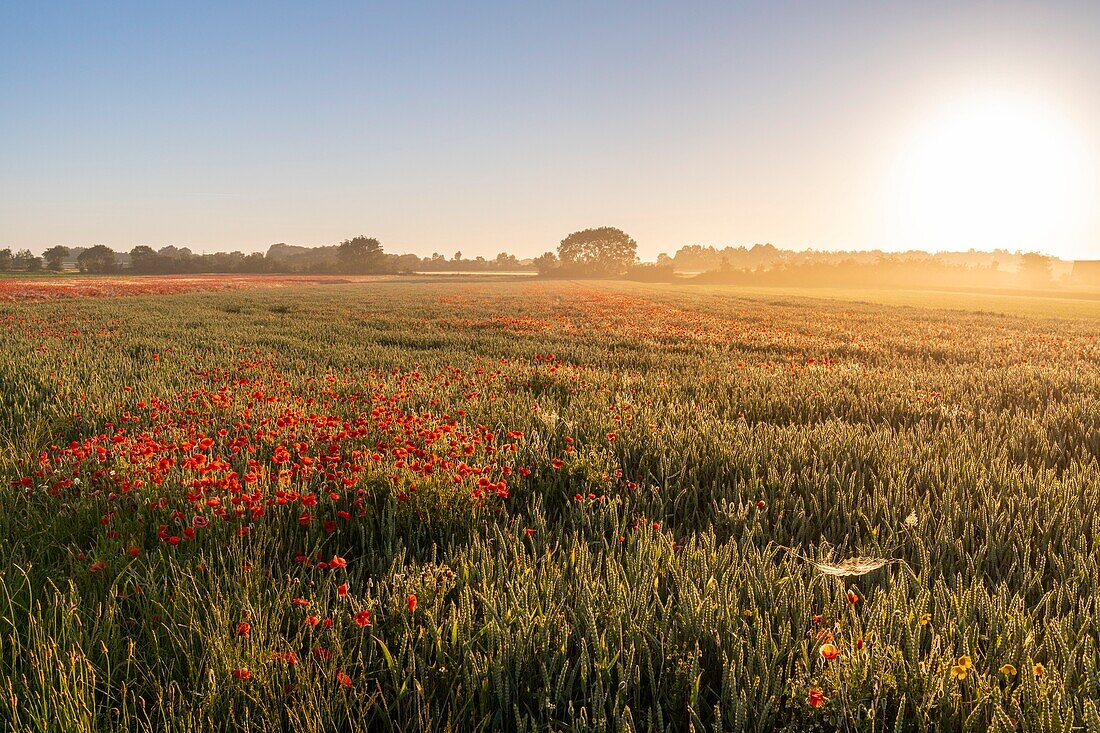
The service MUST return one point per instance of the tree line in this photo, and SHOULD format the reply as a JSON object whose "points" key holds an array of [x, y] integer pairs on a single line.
{"points": [[597, 252], [602, 252], [359, 255]]}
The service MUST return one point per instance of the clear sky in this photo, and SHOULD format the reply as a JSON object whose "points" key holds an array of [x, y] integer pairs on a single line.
{"points": [[485, 126]]}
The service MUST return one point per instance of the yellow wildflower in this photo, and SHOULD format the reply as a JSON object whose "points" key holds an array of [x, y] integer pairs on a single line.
{"points": [[1008, 670]]}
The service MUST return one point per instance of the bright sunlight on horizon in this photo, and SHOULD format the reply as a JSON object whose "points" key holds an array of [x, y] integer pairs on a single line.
{"points": [[584, 365], [997, 170]]}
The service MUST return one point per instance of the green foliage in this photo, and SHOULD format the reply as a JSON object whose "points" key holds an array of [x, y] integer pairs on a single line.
{"points": [[361, 255], [55, 257], [98, 260]]}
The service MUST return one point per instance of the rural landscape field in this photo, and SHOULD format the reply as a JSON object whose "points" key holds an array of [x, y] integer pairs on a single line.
{"points": [[436, 504]]}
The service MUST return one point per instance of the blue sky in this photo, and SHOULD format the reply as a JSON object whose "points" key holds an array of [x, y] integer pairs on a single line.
{"points": [[484, 126]]}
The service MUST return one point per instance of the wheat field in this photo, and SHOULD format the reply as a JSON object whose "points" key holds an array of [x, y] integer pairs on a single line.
{"points": [[466, 504]]}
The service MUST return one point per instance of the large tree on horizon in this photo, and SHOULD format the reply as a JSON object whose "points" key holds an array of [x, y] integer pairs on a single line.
{"points": [[27, 261], [144, 259], [598, 252], [1036, 269], [361, 255], [97, 260], [55, 257]]}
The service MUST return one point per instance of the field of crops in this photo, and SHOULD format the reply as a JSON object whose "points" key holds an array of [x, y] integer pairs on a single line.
{"points": [[52, 286], [465, 505]]}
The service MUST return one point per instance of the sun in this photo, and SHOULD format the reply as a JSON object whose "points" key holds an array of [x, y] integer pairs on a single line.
{"points": [[996, 171]]}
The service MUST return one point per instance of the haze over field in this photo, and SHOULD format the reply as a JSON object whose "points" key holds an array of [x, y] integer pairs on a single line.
{"points": [[563, 366], [488, 127]]}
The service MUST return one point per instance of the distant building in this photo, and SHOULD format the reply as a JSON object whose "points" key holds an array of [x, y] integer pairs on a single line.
{"points": [[1086, 272]]}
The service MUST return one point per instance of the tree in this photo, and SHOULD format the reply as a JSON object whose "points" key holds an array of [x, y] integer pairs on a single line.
{"points": [[361, 255], [1035, 269], [97, 260], [254, 262], [405, 263], [598, 252], [144, 259], [5, 259], [546, 264], [55, 257], [505, 261], [27, 261]]}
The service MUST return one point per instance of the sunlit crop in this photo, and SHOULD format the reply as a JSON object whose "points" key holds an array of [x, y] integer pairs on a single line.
{"points": [[539, 505]]}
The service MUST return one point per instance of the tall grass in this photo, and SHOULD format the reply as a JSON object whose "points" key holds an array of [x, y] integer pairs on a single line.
{"points": [[637, 510]]}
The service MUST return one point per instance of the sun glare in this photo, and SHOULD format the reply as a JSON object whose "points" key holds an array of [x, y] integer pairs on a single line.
{"points": [[996, 172]]}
